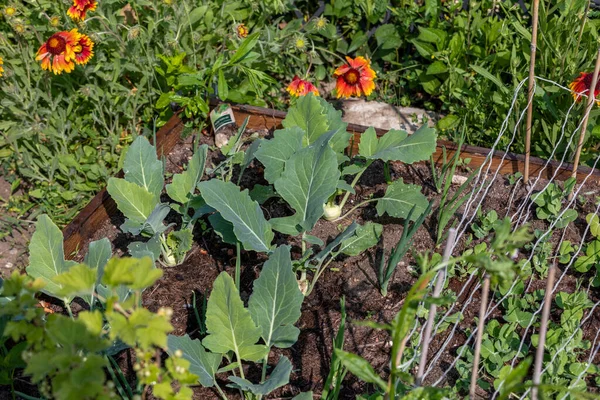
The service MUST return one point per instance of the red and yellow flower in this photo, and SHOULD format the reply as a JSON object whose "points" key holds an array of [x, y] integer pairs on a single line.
{"points": [[79, 9], [300, 87], [242, 31], [63, 50], [581, 86], [84, 51], [1, 63], [355, 78]]}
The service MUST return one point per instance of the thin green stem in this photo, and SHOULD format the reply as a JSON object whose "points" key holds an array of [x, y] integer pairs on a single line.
{"points": [[68, 307], [386, 173], [263, 375], [354, 182], [238, 265], [220, 391], [317, 275], [355, 207]]}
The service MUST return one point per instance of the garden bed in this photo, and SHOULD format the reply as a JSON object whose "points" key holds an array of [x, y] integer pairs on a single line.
{"points": [[352, 277]]}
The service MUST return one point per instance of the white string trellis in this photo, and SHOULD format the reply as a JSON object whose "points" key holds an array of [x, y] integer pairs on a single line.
{"points": [[520, 217]]}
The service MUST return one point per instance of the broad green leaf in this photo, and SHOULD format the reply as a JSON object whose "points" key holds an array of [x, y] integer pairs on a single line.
{"points": [[152, 226], [79, 280], [99, 252], [364, 237], [397, 145], [229, 324], [202, 363], [249, 224], [142, 167], [360, 368], [183, 185], [400, 198], [222, 86], [276, 300], [222, 228], [368, 143], [341, 137], [309, 115], [46, 254], [135, 273], [135, 202], [262, 193], [309, 178], [274, 153], [151, 248], [287, 225], [278, 378]]}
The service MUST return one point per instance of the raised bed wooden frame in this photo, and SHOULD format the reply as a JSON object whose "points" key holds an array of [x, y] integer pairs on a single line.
{"points": [[102, 207]]}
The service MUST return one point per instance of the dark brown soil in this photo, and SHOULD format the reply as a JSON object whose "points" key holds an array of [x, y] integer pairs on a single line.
{"points": [[352, 277]]}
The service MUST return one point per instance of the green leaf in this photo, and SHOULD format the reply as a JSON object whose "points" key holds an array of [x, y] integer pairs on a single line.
{"points": [[135, 273], [594, 222], [488, 75], [151, 248], [202, 363], [360, 368], [347, 233], [278, 378], [400, 198], [247, 45], [142, 167], [276, 300], [274, 153], [397, 145], [309, 178], [262, 193], [135, 202], [368, 143], [341, 138], [223, 228], [364, 237], [437, 67], [184, 184], [249, 224], [309, 115], [222, 86], [46, 255], [79, 280], [229, 324], [99, 252]]}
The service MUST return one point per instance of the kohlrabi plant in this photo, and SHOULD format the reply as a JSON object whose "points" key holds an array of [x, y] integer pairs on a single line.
{"points": [[304, 164], [242, 334], [138, 197], [307, 165], [68, 356]]}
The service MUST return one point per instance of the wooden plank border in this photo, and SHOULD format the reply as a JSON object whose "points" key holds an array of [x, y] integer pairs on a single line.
{"points": [[102, 207]]}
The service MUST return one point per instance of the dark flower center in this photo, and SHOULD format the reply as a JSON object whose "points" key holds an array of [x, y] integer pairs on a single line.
{"points": [[56, 44], [352, 76]]}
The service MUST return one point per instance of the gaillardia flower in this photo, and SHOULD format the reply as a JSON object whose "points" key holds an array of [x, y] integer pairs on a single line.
{"points": [[242, 31], [63, 49], [355, 78], [581, 86], [9, 11], [78, 10], [84, 51], [300, 87]]}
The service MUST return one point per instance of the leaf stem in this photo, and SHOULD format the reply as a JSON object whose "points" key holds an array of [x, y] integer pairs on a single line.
{"points": [[355, 207], [317, 274], [354, 182], [238, 265], [223, 396]]}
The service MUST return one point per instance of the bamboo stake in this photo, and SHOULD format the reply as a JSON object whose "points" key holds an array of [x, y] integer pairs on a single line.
{"points": [[439, 284], [539, 353], [480, 325], [588, 109], [534, 34]]}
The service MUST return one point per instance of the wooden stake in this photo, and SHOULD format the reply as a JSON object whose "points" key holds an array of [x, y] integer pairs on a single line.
{"points": [[439, 284], [590, 104], [485, 290], [536, 7], [539, 353]]}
